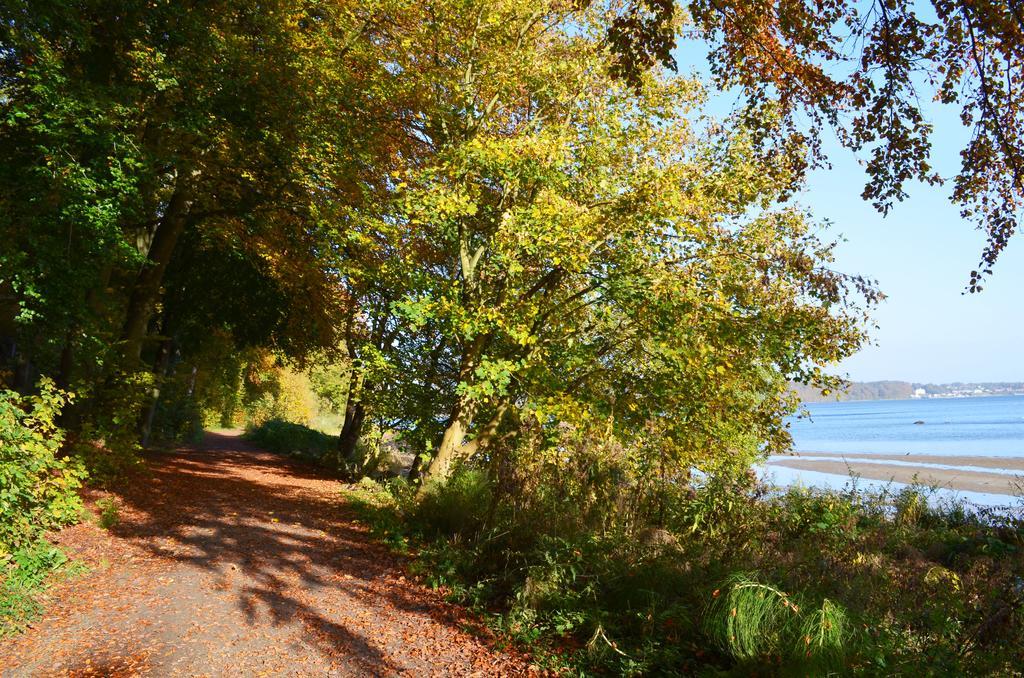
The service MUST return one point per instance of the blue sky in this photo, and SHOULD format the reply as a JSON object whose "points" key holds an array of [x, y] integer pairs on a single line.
{"points": [[921, 254]]}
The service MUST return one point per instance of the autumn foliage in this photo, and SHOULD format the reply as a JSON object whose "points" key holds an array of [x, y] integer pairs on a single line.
{"points": [[500, 249]]}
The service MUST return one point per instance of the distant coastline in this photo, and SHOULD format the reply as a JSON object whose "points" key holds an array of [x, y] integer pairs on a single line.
{"points": [[905, 390]]}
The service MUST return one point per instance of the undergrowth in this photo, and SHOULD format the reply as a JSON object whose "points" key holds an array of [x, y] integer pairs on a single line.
{"points": [[799, 583], [315, 447], [38, 485], [24, 577], [295, 440], [110, 512]]}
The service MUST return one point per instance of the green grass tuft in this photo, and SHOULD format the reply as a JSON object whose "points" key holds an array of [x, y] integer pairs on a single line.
{"points": [[755, 621], [24, 577], [110, 512]]}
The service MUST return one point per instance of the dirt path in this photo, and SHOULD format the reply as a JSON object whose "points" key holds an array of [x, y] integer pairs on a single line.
{"points": [[229, 561]]}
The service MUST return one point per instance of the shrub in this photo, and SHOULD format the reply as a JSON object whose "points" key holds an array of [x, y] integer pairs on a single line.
{"points": [[820, 516], [108, 440], [110, 512], [372, 457], [457, 508], [177, 417], [37, 486], [296, 440]]}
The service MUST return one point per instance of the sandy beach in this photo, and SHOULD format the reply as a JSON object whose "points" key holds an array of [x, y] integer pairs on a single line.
{"points": [[874, 468]]}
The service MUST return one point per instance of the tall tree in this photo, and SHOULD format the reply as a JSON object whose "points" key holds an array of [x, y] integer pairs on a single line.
{"points": [[126, 126], [571, 232]]}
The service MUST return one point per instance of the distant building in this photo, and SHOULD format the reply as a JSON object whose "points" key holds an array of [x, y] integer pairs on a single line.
{"points": [[919, 393]]}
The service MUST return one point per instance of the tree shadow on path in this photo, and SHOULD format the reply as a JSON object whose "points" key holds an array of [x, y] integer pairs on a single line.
{"points": [[273, 541]]}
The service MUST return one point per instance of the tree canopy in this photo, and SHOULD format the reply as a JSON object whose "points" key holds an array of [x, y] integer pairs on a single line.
{"points": [[485, 218], [868, 70]]}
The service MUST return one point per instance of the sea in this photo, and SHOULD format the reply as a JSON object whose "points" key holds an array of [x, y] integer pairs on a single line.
{"points": [[981, 427], [991, 426]]}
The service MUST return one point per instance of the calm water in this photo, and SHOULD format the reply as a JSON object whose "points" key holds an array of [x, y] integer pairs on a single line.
{"points": [[990, 426]]}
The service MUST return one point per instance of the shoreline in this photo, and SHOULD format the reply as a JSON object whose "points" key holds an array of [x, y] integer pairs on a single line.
{"points": [[911, 399], [1010, 482], [1008, 463]]}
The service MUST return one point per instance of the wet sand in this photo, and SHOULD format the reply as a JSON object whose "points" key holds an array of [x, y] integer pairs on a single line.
{"points": [[1009, 463], [954, 479]]}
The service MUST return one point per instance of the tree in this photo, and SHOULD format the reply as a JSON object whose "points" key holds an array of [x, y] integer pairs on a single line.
{"points": [[135, 134], [496, 210], [581, 247]]}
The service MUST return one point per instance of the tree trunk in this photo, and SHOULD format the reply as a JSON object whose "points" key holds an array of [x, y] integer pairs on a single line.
{"points": [[414, 468], [440, 467], [67, 360], [147, 285], [355, 415], [192, 382], [453, 449], [355, 412], [160, 369], [461, 419], [23, 375]]}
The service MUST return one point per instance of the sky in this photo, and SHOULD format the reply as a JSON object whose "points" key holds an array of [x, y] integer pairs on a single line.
{"points": [[921, 254]]}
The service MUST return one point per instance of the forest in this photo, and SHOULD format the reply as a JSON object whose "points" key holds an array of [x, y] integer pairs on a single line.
{"points": [[500, 269]]}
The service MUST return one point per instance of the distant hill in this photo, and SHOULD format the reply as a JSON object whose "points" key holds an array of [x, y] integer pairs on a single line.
{"points": [[860, 390], [898, 390]]}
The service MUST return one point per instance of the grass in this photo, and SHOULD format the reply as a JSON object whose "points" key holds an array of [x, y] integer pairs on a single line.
{"points": [[26, 575], [751, 620]]}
